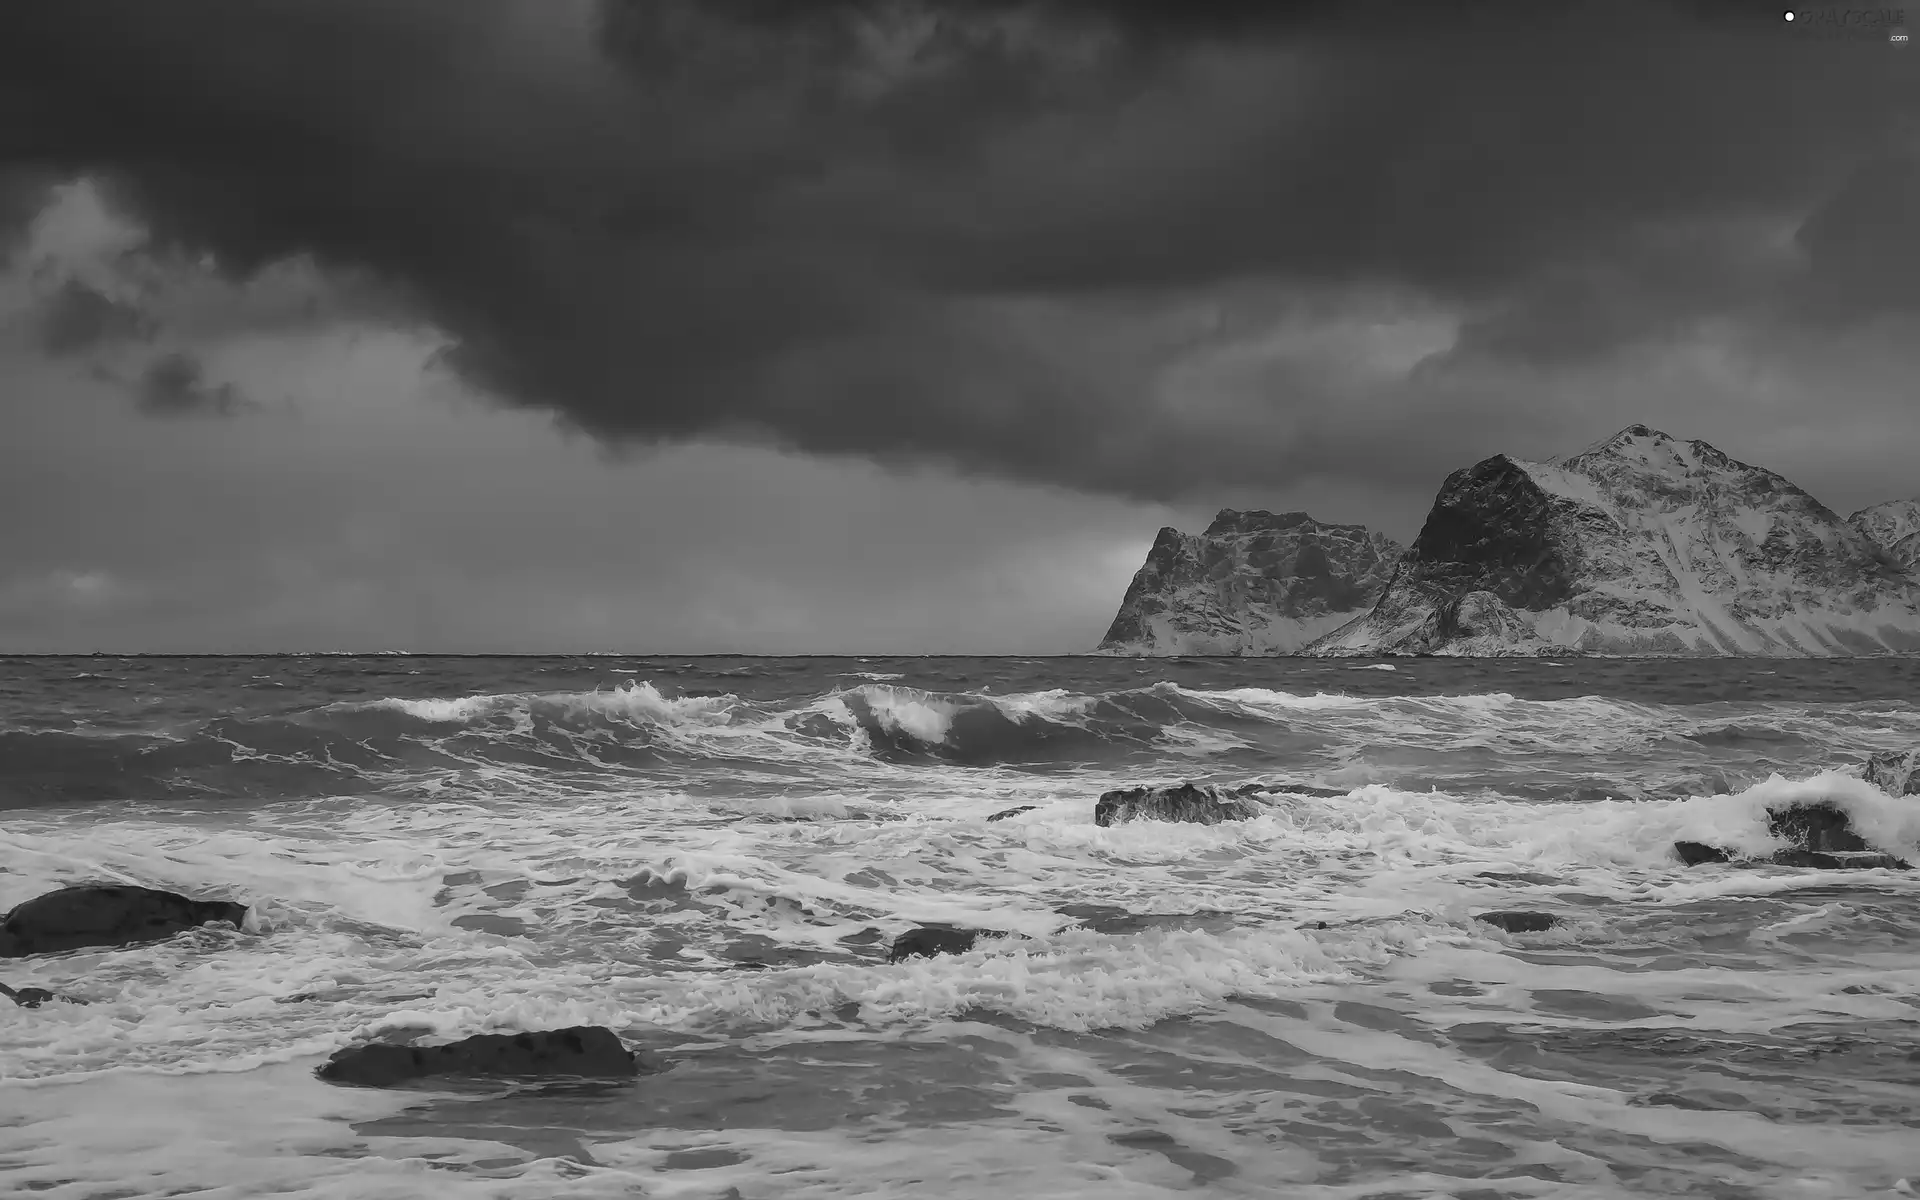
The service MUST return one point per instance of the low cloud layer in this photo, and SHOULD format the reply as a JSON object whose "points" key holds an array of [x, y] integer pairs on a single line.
{"points": [[175, 385], [1093, 243]]}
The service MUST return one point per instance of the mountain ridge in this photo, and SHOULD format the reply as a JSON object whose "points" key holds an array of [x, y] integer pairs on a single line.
{"points": [[1254, 582], [1639, 544]]}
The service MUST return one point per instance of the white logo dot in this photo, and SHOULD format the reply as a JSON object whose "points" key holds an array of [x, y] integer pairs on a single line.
{"points": [[1789, 16]]}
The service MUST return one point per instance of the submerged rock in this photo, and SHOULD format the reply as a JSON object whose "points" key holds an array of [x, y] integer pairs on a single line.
{"points": [[1825, 840], [1196, 804], [1826, 861], [1004, 813], [1519, 922], [1895, 772], [1695, 853], [1528, 877], [1113, 920], [928, 941], [590, 1051], [105, 915]]}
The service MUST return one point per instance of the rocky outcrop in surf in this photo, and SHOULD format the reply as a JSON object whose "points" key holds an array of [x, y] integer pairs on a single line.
{"points": [[1895, 772], [1640, 545], [929, 940], [583, 1051], [109, 915], [1895, 528], [1195, 804], [33, 997], [1253, 583], [1822, 836]]}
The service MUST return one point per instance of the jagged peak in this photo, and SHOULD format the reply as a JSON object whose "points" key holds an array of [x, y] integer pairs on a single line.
{"points": [[1634, 436], [1652, 448], [1637, 432]]}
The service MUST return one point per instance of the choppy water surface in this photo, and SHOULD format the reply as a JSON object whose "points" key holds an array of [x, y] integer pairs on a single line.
{"points": [[711, 855]]}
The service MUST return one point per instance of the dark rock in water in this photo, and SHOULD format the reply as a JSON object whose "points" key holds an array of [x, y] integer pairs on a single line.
{"points": [[1519, 922], [1831, 861], [584, 1050], [928, 941], [1819, 826], [1004, 813], [1695, 853], [1895, 772], [115, 915], [1201, 804], [33, 997], [1823, 835]]}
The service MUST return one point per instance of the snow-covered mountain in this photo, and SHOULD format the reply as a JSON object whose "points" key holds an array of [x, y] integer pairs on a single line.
{"points": [[1253, 583], [1894, 526], [1640, 545]]}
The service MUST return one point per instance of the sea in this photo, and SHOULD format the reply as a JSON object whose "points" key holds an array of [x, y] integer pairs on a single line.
{"points": [[712, 856]]}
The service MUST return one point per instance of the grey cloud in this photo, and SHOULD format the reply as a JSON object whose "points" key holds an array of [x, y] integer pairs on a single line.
{"points": [[175, 385], [1864, 243], [810, 223], [76, 318]]}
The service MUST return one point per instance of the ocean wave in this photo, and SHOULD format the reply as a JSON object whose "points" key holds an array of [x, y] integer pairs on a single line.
{"points": [[401, 744]]}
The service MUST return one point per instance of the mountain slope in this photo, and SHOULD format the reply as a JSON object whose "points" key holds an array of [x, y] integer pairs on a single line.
{"points": [[1253, 583], [1894, 526], [1640, 545]]}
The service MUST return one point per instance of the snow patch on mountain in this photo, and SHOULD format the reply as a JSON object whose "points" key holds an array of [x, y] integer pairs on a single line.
{"points": [[1895, 528]]}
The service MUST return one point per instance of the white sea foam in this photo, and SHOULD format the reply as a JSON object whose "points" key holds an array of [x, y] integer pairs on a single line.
{"points": [[632, 700], [1258, 698]]}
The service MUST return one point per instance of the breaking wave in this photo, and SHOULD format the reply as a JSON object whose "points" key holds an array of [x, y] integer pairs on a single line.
{"points": [[394, 743]]}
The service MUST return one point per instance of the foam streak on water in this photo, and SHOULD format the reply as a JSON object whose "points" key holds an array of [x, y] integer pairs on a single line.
{"points": [[711, 857]]}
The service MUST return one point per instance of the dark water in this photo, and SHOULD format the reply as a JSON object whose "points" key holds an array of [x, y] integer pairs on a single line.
{"points": [[710, 856]]}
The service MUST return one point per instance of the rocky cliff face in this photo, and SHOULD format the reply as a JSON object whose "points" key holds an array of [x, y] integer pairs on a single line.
{"points": [[1895, 527], [1641, 545], [1253, 583]]}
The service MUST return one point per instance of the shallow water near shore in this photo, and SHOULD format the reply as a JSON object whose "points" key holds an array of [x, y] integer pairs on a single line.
{"points": [[710, 856]]}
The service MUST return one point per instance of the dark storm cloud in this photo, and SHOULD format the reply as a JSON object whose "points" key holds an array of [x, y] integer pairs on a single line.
{"points": [[175, 385], [827, 223]]}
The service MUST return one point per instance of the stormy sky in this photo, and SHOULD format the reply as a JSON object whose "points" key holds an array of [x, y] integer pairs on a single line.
{"points": [[888, 326]]}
